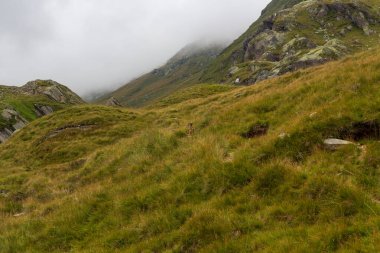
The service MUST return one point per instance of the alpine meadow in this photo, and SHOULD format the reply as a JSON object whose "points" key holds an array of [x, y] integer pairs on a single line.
{"points": [[268, 144]]}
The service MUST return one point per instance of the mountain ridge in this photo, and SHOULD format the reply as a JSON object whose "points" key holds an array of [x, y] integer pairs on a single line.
{"points": [[182, 70]]}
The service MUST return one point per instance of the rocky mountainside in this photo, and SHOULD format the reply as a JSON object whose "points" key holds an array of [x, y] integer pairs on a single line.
{"points": [[289, 35], [183, 70], [20, 105], [296, 34]]}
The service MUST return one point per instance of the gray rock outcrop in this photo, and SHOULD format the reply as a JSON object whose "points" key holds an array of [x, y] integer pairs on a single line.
{"points": [[112, 101], [334, 144], [14, 122], [53, 90], [283, 43], [42, 110]]}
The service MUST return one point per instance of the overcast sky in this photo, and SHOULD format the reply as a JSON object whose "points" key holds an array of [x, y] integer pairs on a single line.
{"points": [[94, 45]]}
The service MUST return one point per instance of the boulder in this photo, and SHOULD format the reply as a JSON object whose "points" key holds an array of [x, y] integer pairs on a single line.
{"points": [[13, 116], [14, 121], [5, 134], [298, 44], [112, 101], [331, 50], [9, 114], [42, 110], [263, 43], [18, 125], [334, 144]]}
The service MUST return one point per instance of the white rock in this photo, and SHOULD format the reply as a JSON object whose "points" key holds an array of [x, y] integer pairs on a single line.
{"points": [[283, 135], [334, 144], [337, 142]]}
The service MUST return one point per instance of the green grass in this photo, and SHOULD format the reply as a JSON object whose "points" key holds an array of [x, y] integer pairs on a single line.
{"points": [[191, 93], [23, 104], [134, 181]]}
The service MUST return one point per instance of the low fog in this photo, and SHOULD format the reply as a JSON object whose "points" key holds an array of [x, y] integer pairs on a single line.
{"points": [[93, 45]]}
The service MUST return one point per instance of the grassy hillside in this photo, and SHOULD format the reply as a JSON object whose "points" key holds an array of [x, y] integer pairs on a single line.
{"points": [[181, 71], [252, 175], [192, 93]]}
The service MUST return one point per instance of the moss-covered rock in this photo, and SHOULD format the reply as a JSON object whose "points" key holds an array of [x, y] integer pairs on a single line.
{"points": [[332, 50], [297, 44]]}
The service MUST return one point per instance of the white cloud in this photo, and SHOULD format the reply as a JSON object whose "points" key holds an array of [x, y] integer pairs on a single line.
{"points": [[99, 44]]}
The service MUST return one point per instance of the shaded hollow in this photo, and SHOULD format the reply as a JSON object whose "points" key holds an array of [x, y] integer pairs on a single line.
{"points": [[256, 131]]}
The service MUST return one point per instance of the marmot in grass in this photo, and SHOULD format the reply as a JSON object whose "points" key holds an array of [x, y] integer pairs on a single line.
{"points": [[190, 129]]}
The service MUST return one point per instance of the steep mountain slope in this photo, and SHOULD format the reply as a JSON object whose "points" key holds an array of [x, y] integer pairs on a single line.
{"points": [[183, 70], [297, 34], [20, 105], [252, 172], [289, 35]]}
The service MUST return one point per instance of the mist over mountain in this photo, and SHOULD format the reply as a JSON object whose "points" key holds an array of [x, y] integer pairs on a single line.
{"points": [[100, 45], [182, 70]]}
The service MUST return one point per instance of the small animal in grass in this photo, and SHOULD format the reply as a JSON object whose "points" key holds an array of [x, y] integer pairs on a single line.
{"points": [[190, 129]]}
